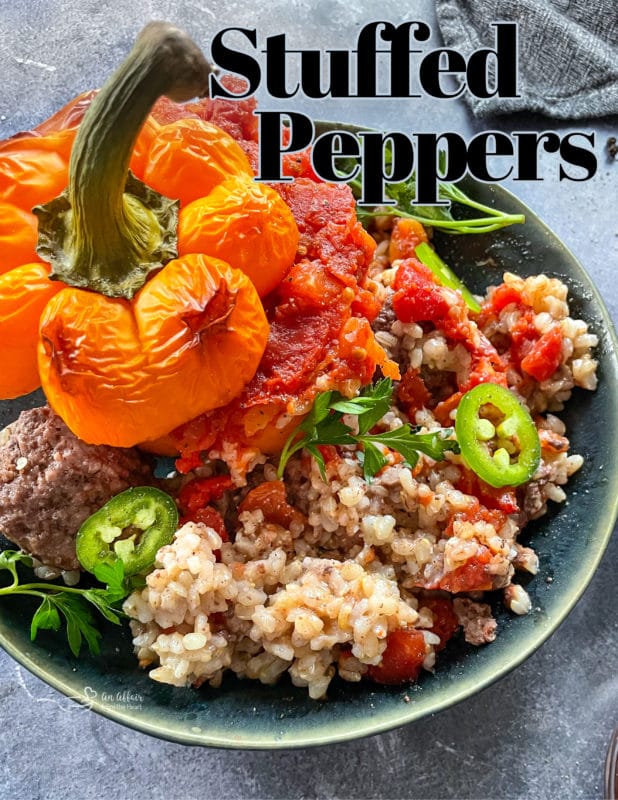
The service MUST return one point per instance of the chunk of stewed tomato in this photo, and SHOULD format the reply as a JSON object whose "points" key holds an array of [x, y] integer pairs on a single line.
{"points": [[403, 658]]}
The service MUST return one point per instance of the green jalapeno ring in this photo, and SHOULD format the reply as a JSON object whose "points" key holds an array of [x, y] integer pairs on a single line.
{"points": [[504, 450], [132, 526]]}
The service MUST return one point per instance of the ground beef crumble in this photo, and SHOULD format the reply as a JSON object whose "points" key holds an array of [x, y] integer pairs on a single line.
{"points": [[479, 626]]}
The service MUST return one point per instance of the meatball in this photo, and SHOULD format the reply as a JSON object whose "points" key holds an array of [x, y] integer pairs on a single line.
{"points": [[51, 481]]}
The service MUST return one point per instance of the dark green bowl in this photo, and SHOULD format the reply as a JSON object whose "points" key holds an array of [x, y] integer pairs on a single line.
{"points": [[569, 540]]}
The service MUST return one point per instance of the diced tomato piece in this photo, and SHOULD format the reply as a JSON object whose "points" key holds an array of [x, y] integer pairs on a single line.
{"points": [[361, 351], [544, 357], [486, 365], [270, 499], [201, 491], [405, 237], [166, 111], [445, 621], [308, 287], [523, 336], [478, 513], [403, 658], [412, 271], [234, 116], [503, 499], [412, 393], [503, 296], [552, 442], [417, 297], [471, 576], [329, 453], [211, 518], [366, 304], [443, 410], [296, 346], [299, 165], [191, 461]]}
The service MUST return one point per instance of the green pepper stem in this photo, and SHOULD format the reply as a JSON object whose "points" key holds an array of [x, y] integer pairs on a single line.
{"points": [[108, 234]]}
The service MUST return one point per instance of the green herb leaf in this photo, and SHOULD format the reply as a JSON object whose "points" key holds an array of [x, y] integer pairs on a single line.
{"points": [[319, 458], [79, 621], [379, 399], [440, 217], [319, 412], [9, 559], [105, 601], [409, 443], [327, 428], [332, 431], [112, 573], [74, 605], [373, 460], [46, 617], [350, 407]]}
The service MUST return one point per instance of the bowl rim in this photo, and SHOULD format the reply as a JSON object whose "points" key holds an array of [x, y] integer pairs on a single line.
{"points": [[410, 712]]}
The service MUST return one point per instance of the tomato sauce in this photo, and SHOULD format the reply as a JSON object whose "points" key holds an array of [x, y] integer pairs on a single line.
{"points": [[319, 315], [471, 576]]}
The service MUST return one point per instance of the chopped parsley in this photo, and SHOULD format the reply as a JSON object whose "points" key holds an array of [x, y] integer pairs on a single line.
{"points": [[324, 425]]}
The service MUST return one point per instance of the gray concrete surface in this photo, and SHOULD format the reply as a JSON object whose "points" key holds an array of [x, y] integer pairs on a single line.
{"points": [[539, 733]]}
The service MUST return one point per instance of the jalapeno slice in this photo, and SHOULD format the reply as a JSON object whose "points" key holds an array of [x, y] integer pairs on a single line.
{"points": [[497, 437], [131, 526]]}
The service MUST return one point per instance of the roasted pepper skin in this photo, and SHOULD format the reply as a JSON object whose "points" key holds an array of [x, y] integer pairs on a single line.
{"points": [[184, 328]]}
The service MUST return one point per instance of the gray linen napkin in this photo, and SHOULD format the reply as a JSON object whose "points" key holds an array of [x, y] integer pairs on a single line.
{"points": [[568, 52]]}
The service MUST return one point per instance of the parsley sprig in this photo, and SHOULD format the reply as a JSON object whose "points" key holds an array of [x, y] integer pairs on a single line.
{"points": [[74, 605], [441, 217], [324, 426]]}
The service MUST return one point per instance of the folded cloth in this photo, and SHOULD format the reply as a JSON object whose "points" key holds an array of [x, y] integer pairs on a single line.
{"points": [[568, 52]]}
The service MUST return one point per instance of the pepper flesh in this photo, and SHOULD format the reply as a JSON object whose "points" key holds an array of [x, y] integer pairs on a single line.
{"points": [[230, 223], [490, 423], [132, 526], [24, 293]]}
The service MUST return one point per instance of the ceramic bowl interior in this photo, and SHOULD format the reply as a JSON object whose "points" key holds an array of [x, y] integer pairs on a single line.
{"points": [[569, 540]]}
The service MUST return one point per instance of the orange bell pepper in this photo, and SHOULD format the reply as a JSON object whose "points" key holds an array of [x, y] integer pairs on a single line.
{"points": [[120, 371], [18, 236], [246, 224], [34, 168], [24, 293], [125, 356]]}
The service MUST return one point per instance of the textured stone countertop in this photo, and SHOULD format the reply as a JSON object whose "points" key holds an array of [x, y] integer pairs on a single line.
{"points": [[543, 730]]}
